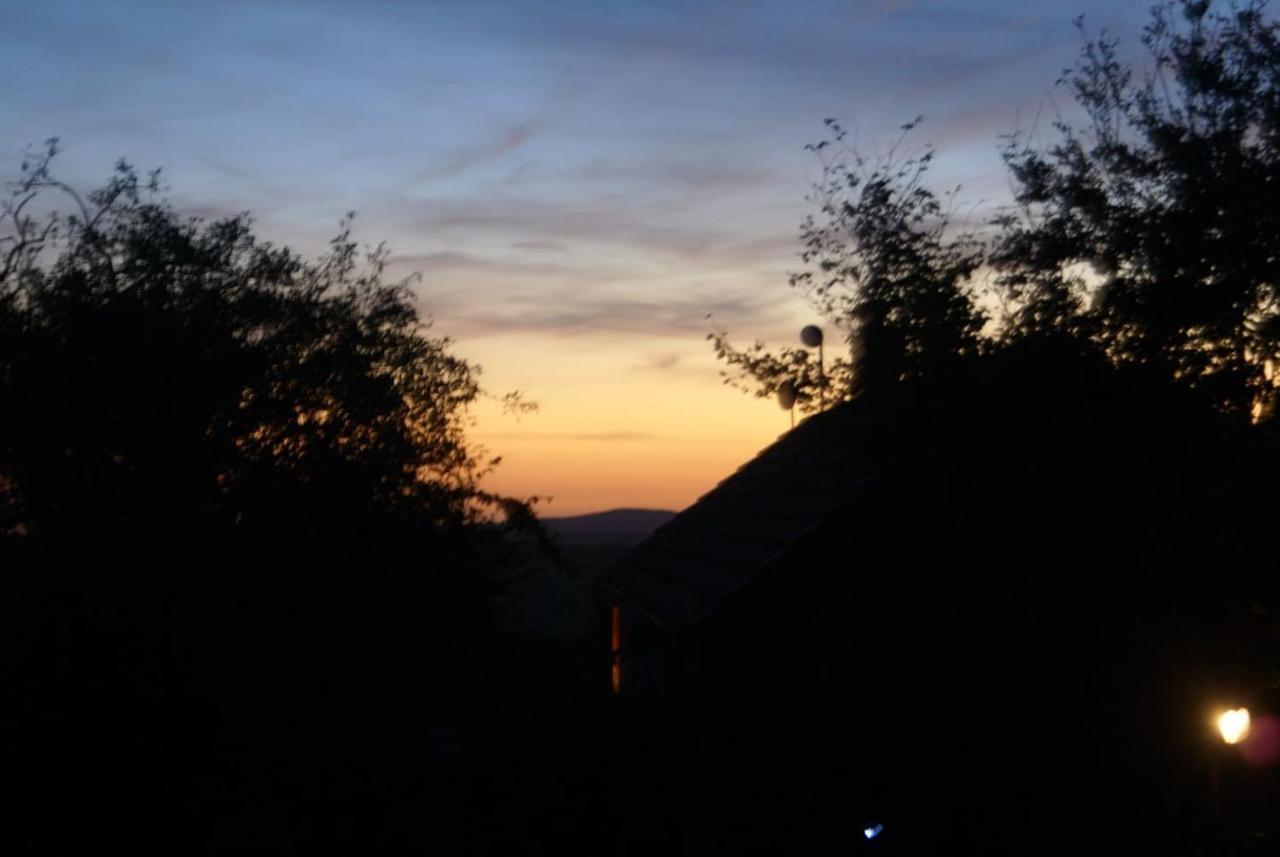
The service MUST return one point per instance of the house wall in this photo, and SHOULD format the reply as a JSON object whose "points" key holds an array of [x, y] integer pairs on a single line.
{"points": [[643, 663]]}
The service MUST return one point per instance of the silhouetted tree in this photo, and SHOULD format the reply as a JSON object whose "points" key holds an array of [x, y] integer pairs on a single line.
{"points": [[765, 372], [1150, 232], [886, 268], [1154, 229], [242, 529], [155, 364]]}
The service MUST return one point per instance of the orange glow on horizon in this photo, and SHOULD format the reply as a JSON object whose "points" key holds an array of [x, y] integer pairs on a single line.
{"points": [[611, 433]]}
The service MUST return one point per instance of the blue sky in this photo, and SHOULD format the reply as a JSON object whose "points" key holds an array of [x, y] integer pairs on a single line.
{"points": [[580, 183]]}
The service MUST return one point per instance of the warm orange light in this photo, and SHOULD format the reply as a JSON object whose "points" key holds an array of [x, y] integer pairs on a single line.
{"points": [[610, 435], [615, 648], [1234, 725]]}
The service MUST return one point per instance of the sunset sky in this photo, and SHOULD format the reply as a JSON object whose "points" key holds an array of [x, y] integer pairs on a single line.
{"points": [[580, 183]]}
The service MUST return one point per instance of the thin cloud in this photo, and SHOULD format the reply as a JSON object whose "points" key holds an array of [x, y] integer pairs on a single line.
{"points": [[685, 175], [505, 277], [575, 314], [618, 436], [444, 259], [888, 8], [662, 362], [655, 231], [228, 170], [510, 140], [598, 437], [543, 246]]}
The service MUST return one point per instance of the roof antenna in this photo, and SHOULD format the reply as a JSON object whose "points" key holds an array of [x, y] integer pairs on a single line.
{"points": [[787, 399], [811, 337]]}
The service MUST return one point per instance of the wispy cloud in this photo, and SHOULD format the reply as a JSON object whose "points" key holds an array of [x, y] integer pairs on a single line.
{"points": [[656, 229], [553, 168], [572, 313], [228, 170], [616, 436], [708, 174], [544, 246], [593, 437], [478, 153], [661, 362]]}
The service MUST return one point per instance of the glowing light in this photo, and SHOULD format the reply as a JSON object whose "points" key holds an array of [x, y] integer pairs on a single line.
{"points": [[615, 646], [1234, 725], [872, 832]]}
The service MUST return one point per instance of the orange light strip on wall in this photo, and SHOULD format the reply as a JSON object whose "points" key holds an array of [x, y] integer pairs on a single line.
{"points": [[615, 648]]}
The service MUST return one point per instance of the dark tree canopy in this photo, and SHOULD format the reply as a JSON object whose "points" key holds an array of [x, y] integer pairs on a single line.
{"points": [[159, 366], [241, 524], [885, 264], [1151, 233], [1168, 196], [886, 269], [1077, 493]]}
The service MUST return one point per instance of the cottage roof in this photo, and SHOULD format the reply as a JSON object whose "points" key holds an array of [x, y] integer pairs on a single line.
{"points": [[688, 567]]}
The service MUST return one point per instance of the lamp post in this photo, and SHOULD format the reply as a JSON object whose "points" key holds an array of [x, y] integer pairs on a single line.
{"points": [[811, 337], [787, 399], [1233, 727]]}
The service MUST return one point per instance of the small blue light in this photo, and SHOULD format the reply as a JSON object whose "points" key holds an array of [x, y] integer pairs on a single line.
{"points": [[872, 832]]}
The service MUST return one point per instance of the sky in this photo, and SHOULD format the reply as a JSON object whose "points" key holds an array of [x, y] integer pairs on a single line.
{"points": [[580, 184]]}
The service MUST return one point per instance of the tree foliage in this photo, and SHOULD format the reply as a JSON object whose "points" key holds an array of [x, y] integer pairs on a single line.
{"points": [[885, 264], [765, 372], [157, 366], [1110, 435], [241, 524], [886, 267], [1168, 193], [1147, 231]]}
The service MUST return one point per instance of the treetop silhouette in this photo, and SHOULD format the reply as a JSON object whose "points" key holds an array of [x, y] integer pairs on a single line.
{"points": [[157, 366], [1149, 233]]}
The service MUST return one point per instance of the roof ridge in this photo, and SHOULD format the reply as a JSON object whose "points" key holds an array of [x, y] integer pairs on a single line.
{"points": [[687, 567]]}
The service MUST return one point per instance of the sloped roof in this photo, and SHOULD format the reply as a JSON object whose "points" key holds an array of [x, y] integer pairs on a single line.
{"points": [[688, 567]]}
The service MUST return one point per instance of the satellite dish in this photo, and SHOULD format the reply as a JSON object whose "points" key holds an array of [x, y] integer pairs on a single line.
{"points": [[811, 335], [787, 395]]}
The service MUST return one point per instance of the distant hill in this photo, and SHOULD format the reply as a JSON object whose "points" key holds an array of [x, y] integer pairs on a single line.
{"points": [[553, 604], [616, 526]]}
